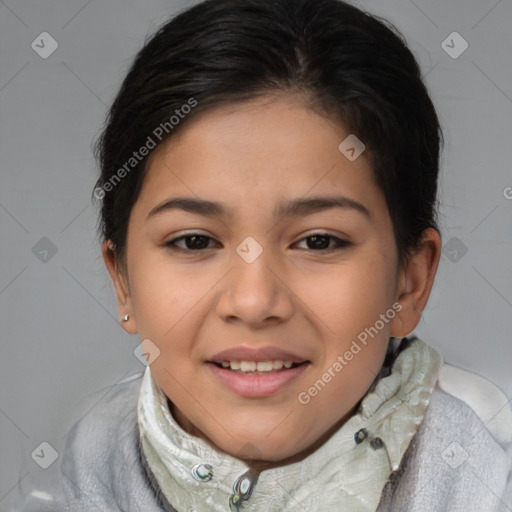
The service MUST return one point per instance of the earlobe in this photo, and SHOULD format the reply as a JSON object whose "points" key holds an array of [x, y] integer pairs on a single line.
{"points": [[120, 280], [415, 283]]}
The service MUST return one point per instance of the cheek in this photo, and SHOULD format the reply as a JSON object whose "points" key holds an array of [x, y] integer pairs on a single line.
{"points": [[349, 296], [366, 292], [165, 294]]}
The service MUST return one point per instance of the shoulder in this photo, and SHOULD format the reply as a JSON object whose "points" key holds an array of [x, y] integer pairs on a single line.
{"points": [[459, 459], [491, 412], [100, 467], [487, 401], [113, 414], [102, 456]]}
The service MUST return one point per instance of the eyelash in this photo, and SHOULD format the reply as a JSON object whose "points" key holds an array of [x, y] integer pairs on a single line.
{"points": [[340, 244]]}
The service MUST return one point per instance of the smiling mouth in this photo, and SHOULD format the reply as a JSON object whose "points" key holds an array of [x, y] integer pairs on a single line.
{"points": [[258, 368], [251, 379]]}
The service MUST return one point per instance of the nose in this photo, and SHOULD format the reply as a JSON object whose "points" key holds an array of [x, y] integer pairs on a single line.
{"points": [[256, 293]]}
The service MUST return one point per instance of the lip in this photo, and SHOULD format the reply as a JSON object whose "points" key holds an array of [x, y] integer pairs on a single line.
{"points": [[244, 353], [257, 385]]}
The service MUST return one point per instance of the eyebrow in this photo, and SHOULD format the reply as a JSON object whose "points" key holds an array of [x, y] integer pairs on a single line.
{"points": [[294, 208]]}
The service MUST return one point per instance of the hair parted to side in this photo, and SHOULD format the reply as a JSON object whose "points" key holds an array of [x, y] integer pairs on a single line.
{"points": [[350, 66]]}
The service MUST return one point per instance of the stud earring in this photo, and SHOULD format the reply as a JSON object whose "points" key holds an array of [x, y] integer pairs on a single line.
{"points": [[125, 318]]}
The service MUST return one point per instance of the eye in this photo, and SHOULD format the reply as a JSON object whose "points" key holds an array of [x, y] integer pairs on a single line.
{"points": [[317, 242], [321, 242], [194, 242]]}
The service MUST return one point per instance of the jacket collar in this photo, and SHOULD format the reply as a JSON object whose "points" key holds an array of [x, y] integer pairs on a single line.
{"points": [[347, 472]]}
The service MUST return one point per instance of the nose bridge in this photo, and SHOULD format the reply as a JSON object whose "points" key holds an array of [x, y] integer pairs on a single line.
{"points": [[253, 270], [254, 291]]}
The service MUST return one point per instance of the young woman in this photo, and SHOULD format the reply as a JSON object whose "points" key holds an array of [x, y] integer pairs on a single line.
{"points": [[268, 217]]}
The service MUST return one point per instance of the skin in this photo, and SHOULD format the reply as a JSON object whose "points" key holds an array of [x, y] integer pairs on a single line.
{"points": [[313, 302]]}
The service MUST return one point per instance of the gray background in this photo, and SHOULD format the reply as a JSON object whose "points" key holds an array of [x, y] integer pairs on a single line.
{"points": [[61, 341]]}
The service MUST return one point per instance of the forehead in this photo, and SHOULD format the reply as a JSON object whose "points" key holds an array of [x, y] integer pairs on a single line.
{"points": [[260, 153]]}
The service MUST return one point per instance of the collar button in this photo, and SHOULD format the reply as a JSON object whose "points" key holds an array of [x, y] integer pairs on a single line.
{"points": [[360, 436], [202, 472], [245, 486], [376, 443]]}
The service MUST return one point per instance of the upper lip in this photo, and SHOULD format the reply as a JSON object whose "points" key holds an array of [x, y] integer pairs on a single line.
{"points": [[256, 354]]}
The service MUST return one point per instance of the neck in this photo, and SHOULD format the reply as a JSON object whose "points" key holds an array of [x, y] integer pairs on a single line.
{"points": [[257, 466]]}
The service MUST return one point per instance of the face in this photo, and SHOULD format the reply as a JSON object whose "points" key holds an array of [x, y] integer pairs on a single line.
{"points": [[255, 276]]}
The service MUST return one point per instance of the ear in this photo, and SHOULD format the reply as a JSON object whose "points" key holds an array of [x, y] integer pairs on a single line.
{"points": [[415, 283], [120, 280]]}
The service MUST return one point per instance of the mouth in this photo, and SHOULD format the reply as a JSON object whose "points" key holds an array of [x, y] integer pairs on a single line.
{"points": [[257, 367], [251, 379]]}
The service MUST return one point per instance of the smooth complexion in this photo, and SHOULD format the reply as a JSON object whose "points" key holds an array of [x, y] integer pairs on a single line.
{"points": [[301, 294]]}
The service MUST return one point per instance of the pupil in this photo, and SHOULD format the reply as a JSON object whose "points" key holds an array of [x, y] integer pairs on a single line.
{"points": [[319, 241], [194, 244]]}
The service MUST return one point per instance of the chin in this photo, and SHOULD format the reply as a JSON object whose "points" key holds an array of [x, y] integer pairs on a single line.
{"points": [[258, 448]]}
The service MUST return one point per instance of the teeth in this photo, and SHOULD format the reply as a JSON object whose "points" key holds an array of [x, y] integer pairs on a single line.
{"points": [[248, 366], [253, 366], [264, 366]]}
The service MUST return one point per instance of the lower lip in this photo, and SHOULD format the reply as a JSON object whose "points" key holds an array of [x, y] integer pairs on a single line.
{"points": [[257, 385]]}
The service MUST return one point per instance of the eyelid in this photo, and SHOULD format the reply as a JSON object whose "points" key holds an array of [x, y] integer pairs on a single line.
{"points": [[340, 242], [320, 232], [180, 236]]}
